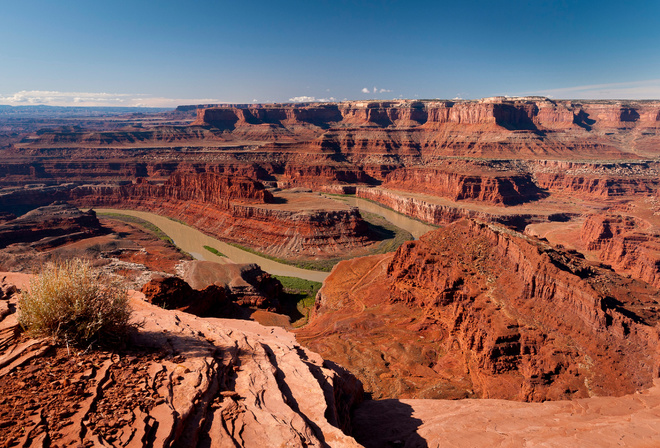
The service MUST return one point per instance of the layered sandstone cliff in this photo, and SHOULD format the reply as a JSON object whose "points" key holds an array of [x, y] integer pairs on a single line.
{"points": [[514, 113], [485, 187], [424, 208], [479, 310], [356, 142], [629, 244], [210, 188], [240, 210], [232, 208]]}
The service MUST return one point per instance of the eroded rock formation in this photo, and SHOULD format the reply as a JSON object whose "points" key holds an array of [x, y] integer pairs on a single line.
{"points": [[231, 208], [479, 310], [247, 284], [185, 381], [622, 242], [242, 213], [218, 289], [50, 226]]}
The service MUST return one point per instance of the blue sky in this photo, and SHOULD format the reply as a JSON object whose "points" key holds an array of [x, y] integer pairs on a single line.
{"points": [[163, 53]]}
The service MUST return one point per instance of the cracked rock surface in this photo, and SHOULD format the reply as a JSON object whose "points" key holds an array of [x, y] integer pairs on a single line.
{"points": [[183, 381]]}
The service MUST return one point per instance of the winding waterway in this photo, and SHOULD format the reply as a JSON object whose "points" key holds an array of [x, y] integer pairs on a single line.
{"points": [[193, 241], [416, 228]]}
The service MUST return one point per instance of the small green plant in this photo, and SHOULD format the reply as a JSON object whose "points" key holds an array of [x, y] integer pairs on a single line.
{"points": [[71, 302], [214, 251]]}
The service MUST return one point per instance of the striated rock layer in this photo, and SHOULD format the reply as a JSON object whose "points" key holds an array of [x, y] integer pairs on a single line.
{"points": [[520, 113], [231, 208], [622, 242], [185, 381], [486, 187], [50, 226], [441, 213], [476, 310]]}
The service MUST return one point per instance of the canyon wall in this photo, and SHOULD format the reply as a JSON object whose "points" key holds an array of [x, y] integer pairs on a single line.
{"points": [[627, 243], [496, 159], [485, 187], [478, 310], [433, 212], [50, 226], [515, 113]]}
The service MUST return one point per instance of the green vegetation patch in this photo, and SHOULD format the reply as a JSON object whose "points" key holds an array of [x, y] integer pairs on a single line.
{"points": [[392, 236], [314, 265], [214, 251], [299, 298], [155, 230]]}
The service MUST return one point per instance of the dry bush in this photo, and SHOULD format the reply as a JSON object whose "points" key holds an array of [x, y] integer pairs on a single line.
{"points": [[71, 302]]}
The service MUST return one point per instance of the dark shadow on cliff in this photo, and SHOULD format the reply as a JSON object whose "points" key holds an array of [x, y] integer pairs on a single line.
{"points": [[21, 209], [278, 200], [381, 233], [289, 303], [389, 236], [387, 423], [582, 119]]}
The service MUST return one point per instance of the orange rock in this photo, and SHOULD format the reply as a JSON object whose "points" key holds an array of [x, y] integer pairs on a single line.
{"points": [[479, 310]]}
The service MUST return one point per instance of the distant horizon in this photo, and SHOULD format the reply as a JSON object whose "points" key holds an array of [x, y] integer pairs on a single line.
{"points": [[322, 101]]}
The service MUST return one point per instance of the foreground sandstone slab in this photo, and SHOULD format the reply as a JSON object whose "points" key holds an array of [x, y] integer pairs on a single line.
{"points": [[632, 421], [185, 381]]}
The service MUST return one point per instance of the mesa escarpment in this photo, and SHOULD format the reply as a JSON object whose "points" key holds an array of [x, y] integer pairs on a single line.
{"points": [[232, 208], [479, 310], [50, 226], [627, 243], [515, 161], [517, 113], [474, 149], [480, 186]]}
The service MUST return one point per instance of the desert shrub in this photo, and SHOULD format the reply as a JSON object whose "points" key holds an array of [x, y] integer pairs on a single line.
{"points": [[72, 302]]}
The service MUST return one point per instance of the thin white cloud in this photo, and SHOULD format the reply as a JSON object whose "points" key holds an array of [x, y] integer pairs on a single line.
{"points": [[311, 99], [302, 99], [375, 90], [634, 90], [95, 99]]}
